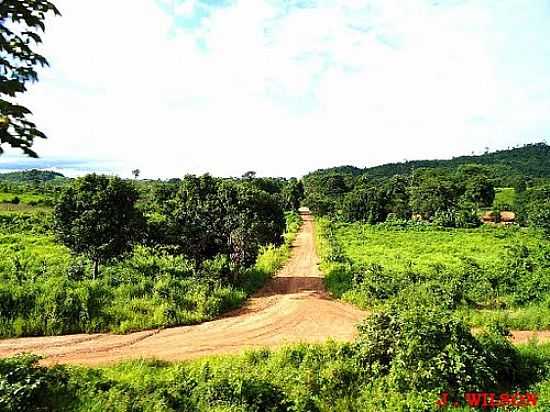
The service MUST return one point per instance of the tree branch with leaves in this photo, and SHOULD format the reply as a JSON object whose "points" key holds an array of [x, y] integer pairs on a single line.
{"points": [[21, 27]]}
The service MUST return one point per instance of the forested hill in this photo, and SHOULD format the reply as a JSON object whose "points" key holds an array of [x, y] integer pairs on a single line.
{"points": [[530, 160], [30, 176]]}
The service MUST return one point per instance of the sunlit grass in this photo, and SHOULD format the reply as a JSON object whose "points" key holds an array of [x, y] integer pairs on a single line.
{"points": [[430, 253]]}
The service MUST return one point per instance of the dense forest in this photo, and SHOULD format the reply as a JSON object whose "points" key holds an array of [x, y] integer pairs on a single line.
{"points": [[529, 161], [451, 193]]}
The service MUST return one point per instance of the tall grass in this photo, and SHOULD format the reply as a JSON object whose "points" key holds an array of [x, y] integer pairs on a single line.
{"points": [[46, 291], [486, 274]]}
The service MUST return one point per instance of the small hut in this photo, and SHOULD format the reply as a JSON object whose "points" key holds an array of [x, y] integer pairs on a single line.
{"points": [[506, 218]]}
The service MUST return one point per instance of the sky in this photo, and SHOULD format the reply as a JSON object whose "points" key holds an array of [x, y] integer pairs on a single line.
{"points": [[284, 87]]}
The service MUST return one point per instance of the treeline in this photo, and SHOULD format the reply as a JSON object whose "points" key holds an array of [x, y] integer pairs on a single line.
{"points": [[504, 167], [451, 197], [446, 197], [199, 217]]}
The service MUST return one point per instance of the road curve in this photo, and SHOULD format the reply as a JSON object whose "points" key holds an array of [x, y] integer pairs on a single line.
{"points": [[293, 307]]}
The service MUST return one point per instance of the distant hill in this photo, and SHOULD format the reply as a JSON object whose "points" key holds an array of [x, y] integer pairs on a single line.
{"points": [[342, 170], [532, 160], [30, 176]]}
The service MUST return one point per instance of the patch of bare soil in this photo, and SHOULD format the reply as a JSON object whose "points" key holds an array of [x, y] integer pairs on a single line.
{"points": [[525, 336]]}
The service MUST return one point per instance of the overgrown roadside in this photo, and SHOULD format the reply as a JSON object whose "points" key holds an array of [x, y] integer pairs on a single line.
{"points": [[372, 266], [292, 307]]}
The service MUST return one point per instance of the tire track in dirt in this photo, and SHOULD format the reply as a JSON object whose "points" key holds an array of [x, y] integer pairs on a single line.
{"points": [[292, 307]]}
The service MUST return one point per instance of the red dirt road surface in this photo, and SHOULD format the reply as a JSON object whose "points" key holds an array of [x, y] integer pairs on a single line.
{"points": [[292, 307]]}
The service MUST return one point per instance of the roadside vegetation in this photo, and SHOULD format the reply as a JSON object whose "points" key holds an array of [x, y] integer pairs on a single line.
{"points": [[486, 274], [387, 368], [174, 254]]}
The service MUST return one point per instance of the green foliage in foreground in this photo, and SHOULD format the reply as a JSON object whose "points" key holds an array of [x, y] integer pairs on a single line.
{"points": [[20, 34], [46, 291], [486, 274], [404, 357]]}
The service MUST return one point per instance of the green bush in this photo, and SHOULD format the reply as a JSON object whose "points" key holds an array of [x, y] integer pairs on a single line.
{"points": [[26, 387], [539, 217], [421, 347], [246, 393]]}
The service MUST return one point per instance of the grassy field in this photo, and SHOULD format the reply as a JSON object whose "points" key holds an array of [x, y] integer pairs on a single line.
{"points": [[425, 249], [505, 196], [484, 274], [25, 198], [44, 290]]}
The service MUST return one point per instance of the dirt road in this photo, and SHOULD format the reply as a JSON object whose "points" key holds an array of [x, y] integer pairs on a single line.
{"points": [[292, 307]]}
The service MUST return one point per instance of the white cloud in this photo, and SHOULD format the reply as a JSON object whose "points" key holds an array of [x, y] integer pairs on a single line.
{"points": [[259, 86]]}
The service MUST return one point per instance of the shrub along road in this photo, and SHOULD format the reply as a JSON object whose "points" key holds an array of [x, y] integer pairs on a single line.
{"points": [[293, 307]]}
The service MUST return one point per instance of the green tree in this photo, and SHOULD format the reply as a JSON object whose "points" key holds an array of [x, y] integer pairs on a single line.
{"points": [[335, 185], [368, 205], [520, 184], [479, 190], [292, 194], [254, 219], [196, 221], [268, 184], [22, 23], [97, 217], [539, 217], [431, 192], [530, 204], [209, 217], [355, 206], [320, 204], [397, 195]]}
